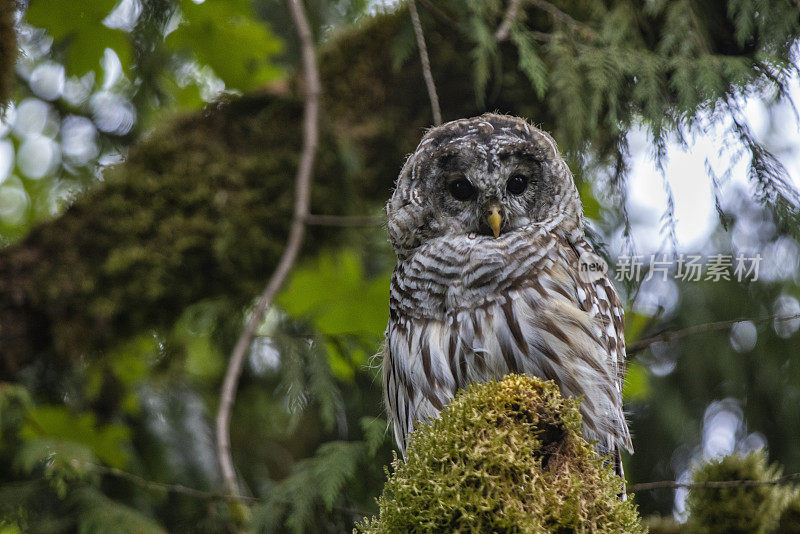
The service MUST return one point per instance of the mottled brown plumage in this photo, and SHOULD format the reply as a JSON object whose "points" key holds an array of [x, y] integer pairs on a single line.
{"points": [[488, 230]]}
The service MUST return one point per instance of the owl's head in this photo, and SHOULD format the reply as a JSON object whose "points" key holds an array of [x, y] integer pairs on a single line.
{"points": [[490, 175]]}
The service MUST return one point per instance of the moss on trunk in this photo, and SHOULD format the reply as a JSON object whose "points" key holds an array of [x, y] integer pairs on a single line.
{"points": [[504, 456]]}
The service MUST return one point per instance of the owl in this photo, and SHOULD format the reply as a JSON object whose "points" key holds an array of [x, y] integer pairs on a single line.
{"points": [[487, 226]]}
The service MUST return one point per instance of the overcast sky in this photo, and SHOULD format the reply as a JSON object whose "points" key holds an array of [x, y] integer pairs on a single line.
{"points": [[685, 170]]}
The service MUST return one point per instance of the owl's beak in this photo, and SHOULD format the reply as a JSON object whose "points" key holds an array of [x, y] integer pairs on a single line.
{"points": [[494, 219]]}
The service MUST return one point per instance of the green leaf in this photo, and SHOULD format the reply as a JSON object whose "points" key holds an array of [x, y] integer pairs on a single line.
{"points": [[591, 207], [637, 383], [335, 294], [55, 452], [227, 36], [79, 25], [63, 461], [635, 324], [341, 367], [194, 330], [57, 422]]}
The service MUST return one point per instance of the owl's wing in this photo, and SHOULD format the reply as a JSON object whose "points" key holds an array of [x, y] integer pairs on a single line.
{"points": [[600, 299]]}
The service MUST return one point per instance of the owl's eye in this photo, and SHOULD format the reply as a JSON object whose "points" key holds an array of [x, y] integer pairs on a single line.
{"points": [[461, 189], [517, 184]]}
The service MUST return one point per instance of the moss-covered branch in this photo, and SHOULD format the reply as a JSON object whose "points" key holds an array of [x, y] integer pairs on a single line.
{"points": [[505, 456], [201, 207]]}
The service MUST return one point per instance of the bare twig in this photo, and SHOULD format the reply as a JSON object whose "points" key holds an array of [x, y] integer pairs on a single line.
{"points": [[163, 486], [302, 194], [540, 36], [671, 484], [426, 64], [339, 220], [564, 18], [669, 335], [511, 13], [444, 17], [215, 496]]}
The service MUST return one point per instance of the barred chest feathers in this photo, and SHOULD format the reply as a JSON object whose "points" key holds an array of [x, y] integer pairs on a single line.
{"points": [[477, 308]]}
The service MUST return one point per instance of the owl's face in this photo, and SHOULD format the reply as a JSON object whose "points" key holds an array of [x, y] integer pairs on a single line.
{"points": [[486, 192], [490, 176]]}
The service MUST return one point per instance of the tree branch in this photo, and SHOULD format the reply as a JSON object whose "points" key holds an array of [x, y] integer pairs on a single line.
{"points": [[153, 485], [671, 484], [444, 17], [564, 18], [426, 64], [342, 220], [302, 195], [511, 13], [669, 335], [163, 486], [215, 496]]}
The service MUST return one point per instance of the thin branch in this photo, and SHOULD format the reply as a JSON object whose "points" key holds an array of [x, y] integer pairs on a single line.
{"points": [[437, 12], [302, 194], [163, 486], [564, 18], [669, 335], [426, 64], [215, 496], [444, 17], [511, 14], [671, 484], [339, 220], [540, 36]]}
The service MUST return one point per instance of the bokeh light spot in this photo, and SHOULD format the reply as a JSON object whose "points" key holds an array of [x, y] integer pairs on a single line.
{"points": [[6, 159], [30, 117], [77, 90], [787, 310], [112, 113], [47, 80], [13, 204], [743, 336], [112, 67], [124, 15], [780, 259], [37, 156], [78, 140]]}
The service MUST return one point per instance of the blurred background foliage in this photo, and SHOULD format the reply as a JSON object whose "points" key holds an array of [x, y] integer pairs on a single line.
{"points": [[88, 441]]}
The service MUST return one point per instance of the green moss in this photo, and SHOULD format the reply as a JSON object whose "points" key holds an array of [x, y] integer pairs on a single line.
{"points": [[742, 509], [505, 456]]}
